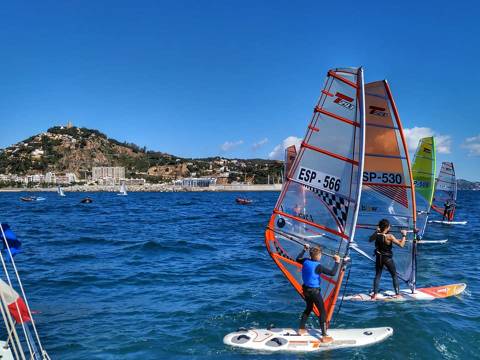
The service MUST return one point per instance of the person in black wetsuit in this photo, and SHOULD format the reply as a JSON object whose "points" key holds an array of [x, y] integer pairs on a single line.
{"points": [[311, 271], [383, 254], [447, 212]]}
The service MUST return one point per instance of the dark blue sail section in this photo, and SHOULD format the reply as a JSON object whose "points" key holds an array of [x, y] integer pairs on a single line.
{"points": [[10, 238]]}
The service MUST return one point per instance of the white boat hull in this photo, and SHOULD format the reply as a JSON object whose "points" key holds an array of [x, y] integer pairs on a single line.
{"points": [[288, 340], [5, 352]]}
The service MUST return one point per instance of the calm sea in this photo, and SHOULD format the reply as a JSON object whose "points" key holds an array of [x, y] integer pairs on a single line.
{"points": [[166, 275]]}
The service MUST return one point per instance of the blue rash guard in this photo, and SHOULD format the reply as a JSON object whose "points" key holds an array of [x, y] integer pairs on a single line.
{"points": [[312, 270]]}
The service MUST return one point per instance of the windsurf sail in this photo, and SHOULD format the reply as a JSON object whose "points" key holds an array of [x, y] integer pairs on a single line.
{"points": [[445, 189], [387, 191], [319, 202], [290, 155], [123, 189], [60, 191], [423, 172]]}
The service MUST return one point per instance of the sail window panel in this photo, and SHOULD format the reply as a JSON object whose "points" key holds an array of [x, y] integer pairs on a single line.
{"points": [[334, 136], [374, 206], [342, 102], [307, 205], [327, 285]]}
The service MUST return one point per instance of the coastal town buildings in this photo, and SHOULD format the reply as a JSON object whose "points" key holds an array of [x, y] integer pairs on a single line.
{"points": [[196, 182], [108, 175]]}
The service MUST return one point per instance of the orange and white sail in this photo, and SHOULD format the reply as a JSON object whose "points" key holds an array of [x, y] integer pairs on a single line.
{"points": [[388, 191], [290, 155], [319, 202]]}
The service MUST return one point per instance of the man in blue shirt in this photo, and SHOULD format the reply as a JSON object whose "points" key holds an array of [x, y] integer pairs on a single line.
{"points": [[311, 271]]}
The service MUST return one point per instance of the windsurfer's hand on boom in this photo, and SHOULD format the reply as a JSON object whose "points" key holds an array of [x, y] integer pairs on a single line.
{"points": [[306, 247], [336, 258]]}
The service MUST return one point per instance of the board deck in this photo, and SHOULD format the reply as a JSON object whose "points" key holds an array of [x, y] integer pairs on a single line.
{"points": [[448, 222], [432, 241], [288, 340], [430, 293]]}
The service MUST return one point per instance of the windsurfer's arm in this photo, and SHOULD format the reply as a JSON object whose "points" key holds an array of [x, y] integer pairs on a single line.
{"points": [[323, 270], [374, 235], [300, 259], [400, 243]]}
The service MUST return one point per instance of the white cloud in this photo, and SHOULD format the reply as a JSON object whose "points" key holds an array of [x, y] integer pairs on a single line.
{"points": [[413, 136], [278, 152], [229, 145], [473, 145], [259, 144]]}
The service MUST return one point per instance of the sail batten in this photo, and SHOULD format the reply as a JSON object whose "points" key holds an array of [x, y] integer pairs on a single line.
{"points": [[319, 201]]}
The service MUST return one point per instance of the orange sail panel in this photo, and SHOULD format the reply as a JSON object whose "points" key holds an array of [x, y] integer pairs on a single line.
{"points": [[388, 191], [319, 202]]}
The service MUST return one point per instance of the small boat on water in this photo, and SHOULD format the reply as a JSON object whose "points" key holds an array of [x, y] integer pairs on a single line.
{"points": [[243, 201], [86, 200], [32, 198], [60, 191], [123, 190]]}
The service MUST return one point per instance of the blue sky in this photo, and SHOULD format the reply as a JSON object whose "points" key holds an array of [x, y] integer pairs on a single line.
{"points": [[203, 78]]}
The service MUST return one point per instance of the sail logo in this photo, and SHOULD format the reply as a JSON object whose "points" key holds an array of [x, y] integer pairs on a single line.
{"points": [[344, 100], [369, 208], [421, 184], [378, 111], [427, 150]]}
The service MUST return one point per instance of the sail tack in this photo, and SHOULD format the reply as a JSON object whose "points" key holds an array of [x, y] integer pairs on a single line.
{"points": [[423, 171], [445, 188], [387, 191], [319, 203]]}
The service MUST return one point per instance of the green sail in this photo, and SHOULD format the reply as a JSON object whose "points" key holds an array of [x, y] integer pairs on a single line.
{"points": [[423, 171]]}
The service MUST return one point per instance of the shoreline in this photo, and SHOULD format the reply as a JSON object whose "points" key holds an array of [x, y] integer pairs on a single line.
{"points": [[153, 188]]}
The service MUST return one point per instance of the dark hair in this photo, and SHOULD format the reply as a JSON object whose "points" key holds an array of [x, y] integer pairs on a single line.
{"points": [[383, 224], [315, 251]]}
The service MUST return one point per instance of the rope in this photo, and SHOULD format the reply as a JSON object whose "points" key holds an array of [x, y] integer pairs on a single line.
{"points": [[20, 285], [343, 295]]}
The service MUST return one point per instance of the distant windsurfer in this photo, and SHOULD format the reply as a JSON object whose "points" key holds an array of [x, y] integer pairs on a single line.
{"points": [[311, 271], [449, 206], [384, 255]]}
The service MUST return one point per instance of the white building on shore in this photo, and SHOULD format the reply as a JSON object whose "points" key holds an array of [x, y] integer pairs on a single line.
{"points": [[108, 175], [195, 182]]}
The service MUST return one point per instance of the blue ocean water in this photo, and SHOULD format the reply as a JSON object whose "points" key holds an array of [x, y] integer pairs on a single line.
{"points": [[167, 275]]}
